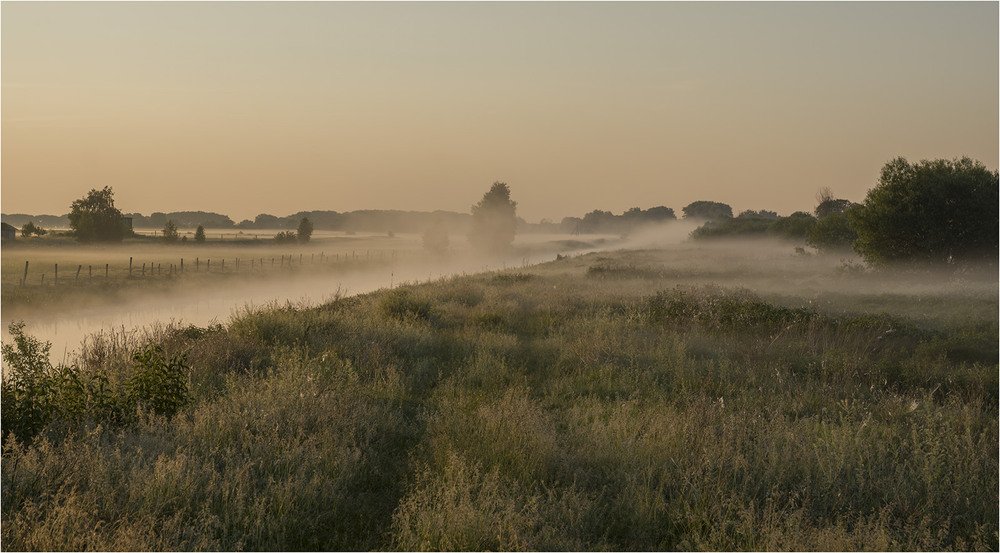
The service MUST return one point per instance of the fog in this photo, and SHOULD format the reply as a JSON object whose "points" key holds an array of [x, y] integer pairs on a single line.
{"points": [[358, 264], [367, 263]]}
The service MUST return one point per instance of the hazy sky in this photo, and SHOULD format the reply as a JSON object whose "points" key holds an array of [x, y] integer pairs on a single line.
{"points": [[244, 108]]}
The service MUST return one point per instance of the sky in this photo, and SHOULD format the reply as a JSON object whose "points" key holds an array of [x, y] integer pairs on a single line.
{"points": [[278, 107]]}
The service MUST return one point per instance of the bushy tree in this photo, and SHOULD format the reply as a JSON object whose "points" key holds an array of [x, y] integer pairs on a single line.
{"points": [[305, 230], [494, 219], [941, 212], [30, 228], [199, 234], [170, 232], [94, 218], [797, 225], [707, 210], [832, 232]]}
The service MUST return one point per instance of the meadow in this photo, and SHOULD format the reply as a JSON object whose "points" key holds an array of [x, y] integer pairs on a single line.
{"points": [[696, 397]]}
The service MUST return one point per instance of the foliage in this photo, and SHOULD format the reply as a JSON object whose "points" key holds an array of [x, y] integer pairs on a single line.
{"points": [[707, 210], [170, 232], [938, 212], [729, 227], [435, 238], [199, 234], [305, 230], [833, 232], [286, 237], [494, 219], [795, 226], [158, 385], [29, 228], [757, 224], [37, 394], [94, 218]]}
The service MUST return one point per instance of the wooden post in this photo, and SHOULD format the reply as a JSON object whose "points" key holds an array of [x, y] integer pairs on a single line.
{"points": [[144, 269], [25, 279], [300, 259], [182, 265], [130, 267], [55, 280], [106, 265], [208, 267], [78, 269], [197, 264], [43, 279], [90, 272]]}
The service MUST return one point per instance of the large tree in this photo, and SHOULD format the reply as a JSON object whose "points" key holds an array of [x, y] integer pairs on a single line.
{"points": [[707, 210], [494, 219], [305, 230], [94, 218], [941, 212]]}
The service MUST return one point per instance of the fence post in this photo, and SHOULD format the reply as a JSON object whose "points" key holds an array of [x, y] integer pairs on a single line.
{"points": [[78, 269], [90, 272], [208, 266], [144, 269], [182, 265], [55, 280], [130, 267], [197, 264], [106, 265]]}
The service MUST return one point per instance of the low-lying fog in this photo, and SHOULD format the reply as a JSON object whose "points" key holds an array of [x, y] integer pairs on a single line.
{"points": [[770, 268], [205, 302]]}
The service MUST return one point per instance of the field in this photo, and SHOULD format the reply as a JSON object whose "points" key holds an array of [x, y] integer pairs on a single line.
{"points": [[720, 397]]}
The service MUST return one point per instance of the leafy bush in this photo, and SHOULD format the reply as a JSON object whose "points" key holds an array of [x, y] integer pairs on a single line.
{"points": [[158, 385], [286, 237], [36, 394]]}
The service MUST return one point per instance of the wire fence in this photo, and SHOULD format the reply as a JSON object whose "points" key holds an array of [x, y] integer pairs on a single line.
{"points": [[55, 274]]}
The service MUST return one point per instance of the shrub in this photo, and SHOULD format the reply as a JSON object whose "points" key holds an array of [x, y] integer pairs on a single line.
{"points": [[158, 385]]}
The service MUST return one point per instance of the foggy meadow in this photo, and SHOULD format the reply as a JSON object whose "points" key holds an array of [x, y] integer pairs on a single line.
{"points": [[470, 276], [647, 390]]}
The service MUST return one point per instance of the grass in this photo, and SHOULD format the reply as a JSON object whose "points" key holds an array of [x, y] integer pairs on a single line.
{"points": [[557, 407]]}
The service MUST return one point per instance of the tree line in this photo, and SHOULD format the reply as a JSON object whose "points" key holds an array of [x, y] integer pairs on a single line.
{"points": [[940, 212]]}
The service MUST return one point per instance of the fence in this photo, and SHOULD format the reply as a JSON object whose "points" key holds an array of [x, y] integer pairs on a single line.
{"points": [[137, 269]]}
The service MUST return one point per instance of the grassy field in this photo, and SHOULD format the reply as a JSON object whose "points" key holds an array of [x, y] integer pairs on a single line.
{"points": [[721, 398]]}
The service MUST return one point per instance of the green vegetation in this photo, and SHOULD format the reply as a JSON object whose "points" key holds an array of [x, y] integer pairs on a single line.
{"points": [[29, 229], [707, 210], [304, 231], [95, 218], [937, 212], [596, 402]]}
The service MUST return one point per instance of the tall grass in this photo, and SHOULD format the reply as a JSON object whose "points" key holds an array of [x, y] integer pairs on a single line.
{"points": [[545, 409]]}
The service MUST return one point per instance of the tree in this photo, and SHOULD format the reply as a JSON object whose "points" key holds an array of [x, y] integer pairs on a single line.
{"points": [[305, 230], [94, 218], [494, 219], [199, 234], [832, 232], [29, 228], [939, 212], [795, 226], [170, 232], [707, 210]]}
